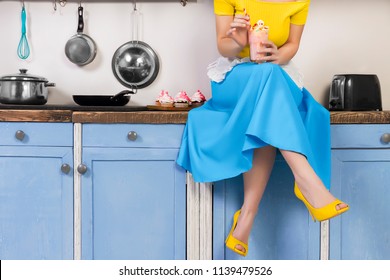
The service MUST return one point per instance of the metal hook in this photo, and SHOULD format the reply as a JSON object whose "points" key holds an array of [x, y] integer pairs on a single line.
{"points": [[134, 88], [23, 3], [55, 5], [183, 2], [63, 3], [135, 5]]}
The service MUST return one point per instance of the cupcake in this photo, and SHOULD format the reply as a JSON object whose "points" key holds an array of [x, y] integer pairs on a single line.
{"points": [[157, 101], [197, 99], [166, 100], [182, 99]]}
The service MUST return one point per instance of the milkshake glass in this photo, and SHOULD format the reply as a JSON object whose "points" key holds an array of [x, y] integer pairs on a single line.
{"points": [[256, 37]]}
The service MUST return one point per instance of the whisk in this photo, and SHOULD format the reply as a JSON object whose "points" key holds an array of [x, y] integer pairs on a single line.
{"points": [[23, 48]]}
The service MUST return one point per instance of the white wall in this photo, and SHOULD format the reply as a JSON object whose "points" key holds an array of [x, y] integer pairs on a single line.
{"points": [[342, 36]]}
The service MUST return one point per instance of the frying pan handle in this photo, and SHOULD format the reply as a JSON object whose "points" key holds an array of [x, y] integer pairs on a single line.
{"points": [[80, 27]]}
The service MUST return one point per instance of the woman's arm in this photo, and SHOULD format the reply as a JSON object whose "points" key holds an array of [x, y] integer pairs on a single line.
{"points": [[232, 34], [286, 52]]}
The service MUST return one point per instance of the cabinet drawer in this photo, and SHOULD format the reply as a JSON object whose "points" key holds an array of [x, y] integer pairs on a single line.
{"points": [[360, 136], [36, 134], [132, 135]]}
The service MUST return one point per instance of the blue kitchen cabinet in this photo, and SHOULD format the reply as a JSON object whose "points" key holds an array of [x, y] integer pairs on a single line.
{"points": [[133, 193], [361, 176], [36, 191], [283, 229]]}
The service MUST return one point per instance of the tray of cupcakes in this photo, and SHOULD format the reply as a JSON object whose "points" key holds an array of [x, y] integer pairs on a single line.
{"points": [[180, 102]]}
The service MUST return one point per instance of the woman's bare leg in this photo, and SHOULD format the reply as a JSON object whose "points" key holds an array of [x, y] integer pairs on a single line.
{"points": [[255, 181], [307, 180]]}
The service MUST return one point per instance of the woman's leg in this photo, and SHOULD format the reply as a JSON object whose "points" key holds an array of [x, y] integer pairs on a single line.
{"points": [[307, 180], [255, 181]]}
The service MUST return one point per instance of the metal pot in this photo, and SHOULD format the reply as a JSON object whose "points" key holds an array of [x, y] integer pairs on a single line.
{"points": [[24, 89]]}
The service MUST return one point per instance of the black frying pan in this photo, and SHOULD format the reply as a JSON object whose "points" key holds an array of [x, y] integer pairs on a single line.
{"points": [[80, 48], [119, 99]]}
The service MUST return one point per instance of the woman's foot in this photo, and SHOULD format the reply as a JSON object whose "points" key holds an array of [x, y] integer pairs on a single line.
{"points": [[318, 196], [309, 183], [243, 228]]}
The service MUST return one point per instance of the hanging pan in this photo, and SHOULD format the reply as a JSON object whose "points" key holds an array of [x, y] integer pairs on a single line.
{"points": [[80, 48], [135, 64]]}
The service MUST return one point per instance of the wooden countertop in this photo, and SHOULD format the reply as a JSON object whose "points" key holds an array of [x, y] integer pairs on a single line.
{"points": [[151, 117], [372, 117], [14, 115], [157, 117]]}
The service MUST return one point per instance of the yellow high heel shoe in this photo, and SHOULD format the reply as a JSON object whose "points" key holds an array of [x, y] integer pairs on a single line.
{"points": [[231, 242], [324, 213]]}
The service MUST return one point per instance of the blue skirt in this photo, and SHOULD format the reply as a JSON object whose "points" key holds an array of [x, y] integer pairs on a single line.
{"points": [[255, 106]]}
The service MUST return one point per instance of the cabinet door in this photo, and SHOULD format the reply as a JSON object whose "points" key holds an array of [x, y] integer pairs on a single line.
{"points": [[36, 203], [133, 204], [361, 178], [283, 229]]}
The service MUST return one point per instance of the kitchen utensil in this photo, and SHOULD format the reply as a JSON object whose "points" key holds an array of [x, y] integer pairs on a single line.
{"points": [[355, 92], [62, 4], [80, 48], [119, 99], [135, 64], [23, 88], [23, 47]]}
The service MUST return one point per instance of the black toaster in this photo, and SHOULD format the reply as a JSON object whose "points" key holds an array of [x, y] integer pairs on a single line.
{"points": [[355, 92]]}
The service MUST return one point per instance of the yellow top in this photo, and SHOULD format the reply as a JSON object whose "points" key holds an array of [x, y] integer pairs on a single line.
{"points": [[277, 15]]}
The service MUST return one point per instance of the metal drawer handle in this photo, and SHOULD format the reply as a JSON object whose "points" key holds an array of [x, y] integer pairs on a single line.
{"points": [[132, 135], [385, 139], [65, 168], [20, 135], [82, 169]]}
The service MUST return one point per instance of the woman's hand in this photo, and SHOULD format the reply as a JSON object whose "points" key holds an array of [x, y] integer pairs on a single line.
{"points": [[283, 54], [268, 52], [232, 34], [239, 29]]}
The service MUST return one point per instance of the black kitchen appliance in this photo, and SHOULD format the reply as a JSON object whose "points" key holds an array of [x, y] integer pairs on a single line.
{"points": [[355, 92]]}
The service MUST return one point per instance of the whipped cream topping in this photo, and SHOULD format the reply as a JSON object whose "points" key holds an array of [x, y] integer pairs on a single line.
{"points": [[259, 26], [165, 98], [161, 94], [182, 97], [198, 97]]}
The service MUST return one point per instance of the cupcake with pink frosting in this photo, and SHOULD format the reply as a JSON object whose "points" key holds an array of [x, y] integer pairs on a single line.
{"points": [[197, 99], [161, 94], [182, 100], [164, 99]]}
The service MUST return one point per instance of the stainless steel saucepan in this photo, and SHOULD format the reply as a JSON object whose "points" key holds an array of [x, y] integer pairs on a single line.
{"points": [[24, 89]]}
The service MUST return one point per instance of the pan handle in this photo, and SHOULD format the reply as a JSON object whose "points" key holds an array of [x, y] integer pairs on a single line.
{"points": [[80, 27], [50, 85]]}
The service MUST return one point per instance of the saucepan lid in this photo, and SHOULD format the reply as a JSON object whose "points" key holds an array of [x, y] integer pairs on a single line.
{"points": [[23, 76]]}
